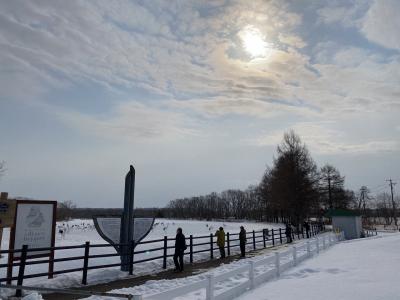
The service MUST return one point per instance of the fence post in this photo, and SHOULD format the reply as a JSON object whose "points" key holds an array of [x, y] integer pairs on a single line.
{"points": [[254, 240], [308, 249], [85, 263], [294, 255], [211, 246], [228, 242], [277, 264], [131, 250], [210, 287], [265, 245], [21, 270], [251, 274], [302, 232], [280, 234], [273, 237], [317, 240], [191, 248], [165, 252], [298, 233]]}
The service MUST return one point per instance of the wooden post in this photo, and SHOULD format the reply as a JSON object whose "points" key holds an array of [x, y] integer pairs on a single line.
{"points": [[265, 245], [131, 252], [191, 248], [3, 196], [211, 246], [254, 240], [21, 271], [273, 237], [280, 234], [10, 258], [165, 252], [302, 232], [228, 242], [85, 263]]}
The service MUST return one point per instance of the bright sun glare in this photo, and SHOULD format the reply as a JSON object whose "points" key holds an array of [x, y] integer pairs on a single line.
{"points": [[253, 42]]}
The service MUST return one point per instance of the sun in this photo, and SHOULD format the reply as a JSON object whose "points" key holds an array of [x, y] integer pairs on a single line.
{"points": [[254, 42]]}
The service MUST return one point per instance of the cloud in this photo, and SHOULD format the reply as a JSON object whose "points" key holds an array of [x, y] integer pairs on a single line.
{"points": [[133, 122], [344, 13], [381, 24], [189, 54], [322, 139]]}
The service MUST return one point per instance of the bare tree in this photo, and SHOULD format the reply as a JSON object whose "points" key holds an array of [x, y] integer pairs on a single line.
{"points": [[332, 188], [65, 209], [2, 168], [293, 180]]}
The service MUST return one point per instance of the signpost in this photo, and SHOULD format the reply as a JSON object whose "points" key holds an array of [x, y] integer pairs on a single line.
{"points": [[7, 213], [34, 225], [124, 230]]}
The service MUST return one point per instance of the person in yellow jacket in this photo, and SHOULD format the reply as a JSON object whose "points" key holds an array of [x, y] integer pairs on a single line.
{"points": [[220, 234]]}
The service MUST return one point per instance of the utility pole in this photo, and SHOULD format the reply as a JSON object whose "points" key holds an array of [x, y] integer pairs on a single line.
{"points": [[363, 194], [330, 192], [391, 184]]}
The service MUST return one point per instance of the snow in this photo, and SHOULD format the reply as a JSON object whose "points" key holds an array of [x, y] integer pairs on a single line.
{"points": [[153, 287], [79, 231], [33, 296], [358, 270]]}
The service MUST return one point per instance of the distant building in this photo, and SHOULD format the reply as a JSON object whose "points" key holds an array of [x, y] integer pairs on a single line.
{"points": [[347, 221]]}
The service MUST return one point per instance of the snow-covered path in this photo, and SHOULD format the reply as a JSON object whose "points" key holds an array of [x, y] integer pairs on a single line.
{"points": [[356, 270]]}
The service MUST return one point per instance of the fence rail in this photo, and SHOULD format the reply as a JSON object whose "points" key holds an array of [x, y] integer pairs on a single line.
{"points": [[196, 244]]}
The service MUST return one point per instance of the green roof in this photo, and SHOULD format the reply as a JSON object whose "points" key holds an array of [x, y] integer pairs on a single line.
{"points": [[342, 213]]}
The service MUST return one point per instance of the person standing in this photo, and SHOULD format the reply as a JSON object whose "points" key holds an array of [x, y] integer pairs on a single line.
{"points": [[306, 225], [180, 247], [242, 241], [288, 233], [220, 234]]}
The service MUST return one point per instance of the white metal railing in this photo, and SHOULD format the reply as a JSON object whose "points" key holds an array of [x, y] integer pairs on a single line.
{"points": [[280, 262]]}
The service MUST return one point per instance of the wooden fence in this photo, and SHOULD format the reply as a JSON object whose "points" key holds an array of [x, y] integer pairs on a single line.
{"points": [[196, 244]]}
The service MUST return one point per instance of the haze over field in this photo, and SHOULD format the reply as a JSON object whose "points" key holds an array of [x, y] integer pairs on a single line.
{"points": [[195, 95]]}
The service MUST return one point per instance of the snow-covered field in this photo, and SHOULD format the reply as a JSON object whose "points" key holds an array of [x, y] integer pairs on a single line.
{"points": [[80, 231], [356, 270]]}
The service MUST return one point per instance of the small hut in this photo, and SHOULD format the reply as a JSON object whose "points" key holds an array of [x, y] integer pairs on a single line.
{"points": [[348, 221]]}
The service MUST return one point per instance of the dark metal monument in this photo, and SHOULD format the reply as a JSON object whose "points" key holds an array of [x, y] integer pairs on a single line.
{"points": [[124, 232]]}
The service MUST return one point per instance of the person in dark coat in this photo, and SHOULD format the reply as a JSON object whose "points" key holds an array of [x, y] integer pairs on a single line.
{"points": [[306, 226], [180, 247], [242, 241], [288, 233]]}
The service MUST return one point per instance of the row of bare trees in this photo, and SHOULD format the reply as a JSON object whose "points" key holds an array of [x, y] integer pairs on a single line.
{"points": [[292, 189]]}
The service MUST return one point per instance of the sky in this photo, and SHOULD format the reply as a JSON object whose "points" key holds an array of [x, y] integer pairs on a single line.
{"points": [[195, 94]]}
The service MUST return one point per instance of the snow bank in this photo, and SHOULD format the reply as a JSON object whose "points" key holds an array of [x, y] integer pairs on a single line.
{"points": [[357, 270]]}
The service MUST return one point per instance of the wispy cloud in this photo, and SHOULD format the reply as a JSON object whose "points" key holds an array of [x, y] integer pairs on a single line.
{"points": [[323, 140]]}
